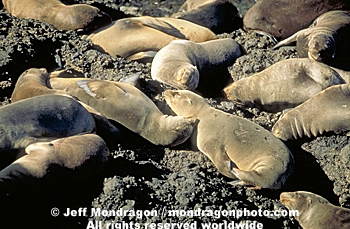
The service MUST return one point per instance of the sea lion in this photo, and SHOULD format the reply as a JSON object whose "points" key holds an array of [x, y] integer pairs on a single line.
{"points": [[42, 118], [193, 4], [78, 156], [315, 211], [181, 62], [81, 17], [282, 18], [239, 148], [326, 111], [284, 84], [130, 107], [35, 81], [220, 16], [140, 38], [326, 40]]}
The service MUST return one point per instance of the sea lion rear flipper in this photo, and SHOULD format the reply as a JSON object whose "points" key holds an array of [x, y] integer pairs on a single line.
{"points": [[162, 26]]}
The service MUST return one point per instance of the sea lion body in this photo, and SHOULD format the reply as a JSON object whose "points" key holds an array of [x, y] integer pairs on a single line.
{"points": [[325, 40], [284, 84], [180, 63], [42, 118], [81, 155], [315, 211], [282, 18], [63, 17], [219, 16], [138, 37], [327, 111], [239, 148], [128, 106]]}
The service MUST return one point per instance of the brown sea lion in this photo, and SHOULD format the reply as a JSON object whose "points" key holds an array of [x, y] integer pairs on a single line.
{"points": [[81, 155], [282, 18], [326, 40], [130, 107], [284, 84], [42, 118], [220, 16], [81, 17], [239, 148], [140, 38], [181, 62], [315, 211], [327, 111]]}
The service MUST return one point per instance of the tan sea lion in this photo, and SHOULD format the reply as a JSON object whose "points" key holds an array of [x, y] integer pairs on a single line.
{"points": [[282, 18], [220, 16], [82, 155], [315, 211], [284, 84], [327, 111], [140, 38], [42, 118], [181, 62], [81, 17], [193, 4], [239, 148], [130, 107], [35, 81], [326, 40]]}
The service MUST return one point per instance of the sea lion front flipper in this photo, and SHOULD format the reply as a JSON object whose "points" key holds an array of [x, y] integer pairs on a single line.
{"points": [[288, 40], [100, 89], [132, 79], [263, 33], [247, 178], [144, 57], [162, 26]]}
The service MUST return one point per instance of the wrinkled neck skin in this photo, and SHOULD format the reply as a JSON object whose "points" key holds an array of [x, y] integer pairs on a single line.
{"points": [[193, 111], [155, 127]]}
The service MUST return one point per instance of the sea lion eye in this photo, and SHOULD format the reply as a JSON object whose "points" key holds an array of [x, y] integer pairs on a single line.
{"points": [[51, 144]]}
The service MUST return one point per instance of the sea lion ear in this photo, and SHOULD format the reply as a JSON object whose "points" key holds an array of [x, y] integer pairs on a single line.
{"points": [[309, 200], [188, 100]]}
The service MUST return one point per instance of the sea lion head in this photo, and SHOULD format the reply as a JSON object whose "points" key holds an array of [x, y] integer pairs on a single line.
{"points": [[187, 77], [73, 151], [81, 17], [321, 47], [184, 102], [302, 201], [233, 92]]}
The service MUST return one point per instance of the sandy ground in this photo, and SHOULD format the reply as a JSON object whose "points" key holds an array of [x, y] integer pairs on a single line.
{"points": [[139, 175]]}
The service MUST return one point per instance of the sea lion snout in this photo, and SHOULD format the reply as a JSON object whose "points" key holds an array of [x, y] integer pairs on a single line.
{"points": [[286, 196]]}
